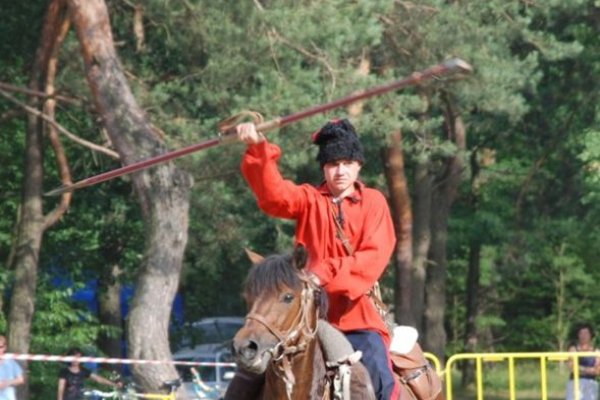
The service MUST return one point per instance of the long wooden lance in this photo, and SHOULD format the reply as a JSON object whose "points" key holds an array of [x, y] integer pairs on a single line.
{"points": [[446, 68]]}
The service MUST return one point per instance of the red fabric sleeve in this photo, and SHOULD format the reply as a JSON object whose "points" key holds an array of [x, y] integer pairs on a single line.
{"points": [[276, 196]]}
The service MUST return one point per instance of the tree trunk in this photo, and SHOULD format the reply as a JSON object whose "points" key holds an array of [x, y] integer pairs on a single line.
{"points": [[29, 240], [443, 196], [421, 238], [109, 310], [435, 289], [32, 222], [472, 289], [473, 274], [401, 210], [163, 193]]}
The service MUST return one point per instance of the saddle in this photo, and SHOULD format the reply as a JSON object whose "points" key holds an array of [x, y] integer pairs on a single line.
{"points": [[411, 367], [339, 358]]}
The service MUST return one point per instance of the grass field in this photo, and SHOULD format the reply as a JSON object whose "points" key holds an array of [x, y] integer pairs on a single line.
{"points": [[527, 382]]}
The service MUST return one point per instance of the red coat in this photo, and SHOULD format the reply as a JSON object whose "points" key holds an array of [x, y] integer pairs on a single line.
{"points": [[368, 225]]}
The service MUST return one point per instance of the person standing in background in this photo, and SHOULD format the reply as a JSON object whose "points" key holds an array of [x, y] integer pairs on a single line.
{"points": [[11, 374], [589, 366], [72, 379]]}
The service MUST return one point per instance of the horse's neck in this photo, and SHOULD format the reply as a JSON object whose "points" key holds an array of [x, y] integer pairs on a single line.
{"points": [[308, 369]]}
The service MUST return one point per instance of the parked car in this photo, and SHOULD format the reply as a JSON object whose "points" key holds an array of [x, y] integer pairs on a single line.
{"points": [[208, 334], [212, 377]]}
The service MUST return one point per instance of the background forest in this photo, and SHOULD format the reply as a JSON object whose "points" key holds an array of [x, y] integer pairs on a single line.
{"points": [[493, 179]]}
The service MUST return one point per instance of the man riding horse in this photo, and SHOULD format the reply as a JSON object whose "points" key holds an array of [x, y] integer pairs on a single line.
{"points": [[346, 228]]}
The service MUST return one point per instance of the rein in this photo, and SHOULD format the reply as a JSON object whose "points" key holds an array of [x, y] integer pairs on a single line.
{"points": [[294, 340]]}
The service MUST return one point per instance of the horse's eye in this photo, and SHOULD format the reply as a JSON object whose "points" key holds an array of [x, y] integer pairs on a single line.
{"points": [[288, 298]]}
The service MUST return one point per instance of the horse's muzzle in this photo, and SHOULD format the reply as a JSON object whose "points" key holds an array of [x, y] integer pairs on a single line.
{"points": [[250, 355]]}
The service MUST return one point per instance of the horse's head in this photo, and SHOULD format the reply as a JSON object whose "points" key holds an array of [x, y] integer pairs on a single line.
{"points": [[282, 310]]}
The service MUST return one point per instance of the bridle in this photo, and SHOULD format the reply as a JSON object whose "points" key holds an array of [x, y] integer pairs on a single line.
{"points": [[295, 339]]}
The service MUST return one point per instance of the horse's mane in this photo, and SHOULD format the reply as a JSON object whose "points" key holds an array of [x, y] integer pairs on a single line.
{"points": [[274, 273]]}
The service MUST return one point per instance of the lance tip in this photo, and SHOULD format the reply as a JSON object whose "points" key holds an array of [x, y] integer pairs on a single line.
{"points": [[457, 63]]}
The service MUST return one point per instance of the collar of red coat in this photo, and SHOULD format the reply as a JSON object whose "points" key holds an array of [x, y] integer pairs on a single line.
{"points": [[355, 197]]}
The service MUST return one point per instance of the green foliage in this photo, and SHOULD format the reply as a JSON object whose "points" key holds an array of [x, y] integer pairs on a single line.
{"points": [[103, 227], [590, 156], [11, 147], [22, 41], [529, 197]]}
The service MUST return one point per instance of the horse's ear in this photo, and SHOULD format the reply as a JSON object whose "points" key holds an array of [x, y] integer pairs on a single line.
{"points": [[255, 258], [300, 256]]}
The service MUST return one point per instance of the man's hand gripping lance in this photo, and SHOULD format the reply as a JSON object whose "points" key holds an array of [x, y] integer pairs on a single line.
{"points": [[228, 135]]}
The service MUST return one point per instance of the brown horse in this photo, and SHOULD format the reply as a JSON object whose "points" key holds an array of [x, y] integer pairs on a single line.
{"points": [[279, 337]]}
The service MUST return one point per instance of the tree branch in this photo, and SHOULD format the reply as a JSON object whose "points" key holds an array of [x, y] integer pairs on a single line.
{"points": [[308, 54], [49, 109], [12, 88], [61, 129]]}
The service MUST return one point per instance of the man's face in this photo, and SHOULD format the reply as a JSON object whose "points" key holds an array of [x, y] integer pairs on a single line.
{"points": [[340, 176], [2, 345]]}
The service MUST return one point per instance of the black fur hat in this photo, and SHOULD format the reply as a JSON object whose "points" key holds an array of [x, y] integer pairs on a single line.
{"points": [[338, 140]]}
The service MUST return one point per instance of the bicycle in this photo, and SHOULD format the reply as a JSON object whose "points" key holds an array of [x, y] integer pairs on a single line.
{"points": [[171, 386], [99, 394], [202, 390], [128, 392], [118, 393]]}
